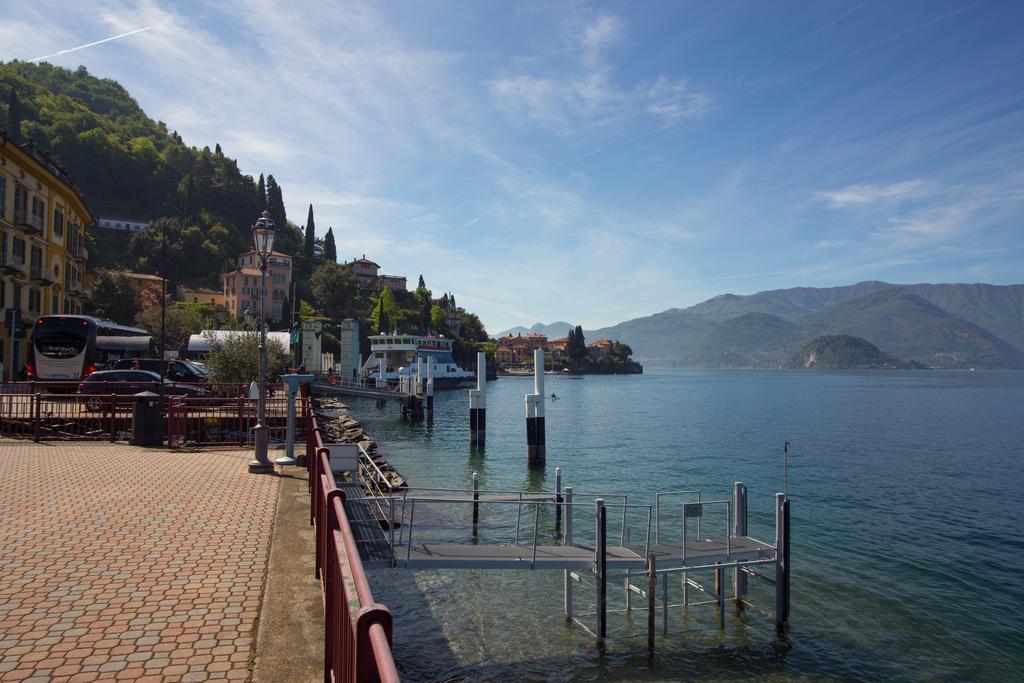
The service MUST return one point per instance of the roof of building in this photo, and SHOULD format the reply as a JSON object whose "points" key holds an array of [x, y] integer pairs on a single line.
{"points": [[365, 261], [139, 276]]}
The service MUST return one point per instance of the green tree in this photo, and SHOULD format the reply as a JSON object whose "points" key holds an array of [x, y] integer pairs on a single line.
{"points": [[335, 290], [330, 249], [424, 303], [275, 202], [439, 322], [114, 298], [422, 284], [385, 312], [14, 116], [261, 193], [180, 322], [236, 358], [309, 246]]}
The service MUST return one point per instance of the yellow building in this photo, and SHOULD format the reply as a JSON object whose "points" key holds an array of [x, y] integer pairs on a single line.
{"points": [[43, 220]]}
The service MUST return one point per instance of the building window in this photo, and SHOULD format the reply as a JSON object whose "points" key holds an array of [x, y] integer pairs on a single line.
{"points": [[3, 196], [55, 304], [58, 222], [16, 296], [33, 300], [18, 248]]}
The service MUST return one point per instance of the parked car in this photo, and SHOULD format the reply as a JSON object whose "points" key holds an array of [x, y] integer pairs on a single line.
{"points": [[126, 383], [181, 371]]}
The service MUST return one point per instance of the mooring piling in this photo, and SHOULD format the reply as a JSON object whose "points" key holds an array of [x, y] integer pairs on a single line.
{"points": [[558, 499], [739, 529], [430, 388], [535, 442], [602, 570], [476, 501], [781, 561], [567, 540], [478, 404]]}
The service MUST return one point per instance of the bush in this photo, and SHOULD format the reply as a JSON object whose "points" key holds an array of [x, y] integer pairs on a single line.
{"points": [[236, 358]]}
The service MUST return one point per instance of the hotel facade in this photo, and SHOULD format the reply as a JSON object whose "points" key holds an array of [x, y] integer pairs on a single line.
{"points": [[43, 223]]}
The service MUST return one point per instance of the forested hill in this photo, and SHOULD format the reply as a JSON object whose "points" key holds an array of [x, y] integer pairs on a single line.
{"points": [[129, 165]]}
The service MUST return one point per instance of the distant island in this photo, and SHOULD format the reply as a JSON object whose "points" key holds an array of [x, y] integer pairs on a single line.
{"points": [[846, 352]]}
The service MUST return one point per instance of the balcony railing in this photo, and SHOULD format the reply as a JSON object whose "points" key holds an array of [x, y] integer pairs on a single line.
{"points": [[29, 222], [12, 262], [79, 252], [39, 274]]}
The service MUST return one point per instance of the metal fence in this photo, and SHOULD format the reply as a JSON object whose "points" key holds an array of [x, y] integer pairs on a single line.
{"points": [[357, 644], [227, 421], [64, 417]]}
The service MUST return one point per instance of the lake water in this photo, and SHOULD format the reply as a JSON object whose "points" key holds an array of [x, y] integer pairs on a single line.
{"points": [[907, 517]]}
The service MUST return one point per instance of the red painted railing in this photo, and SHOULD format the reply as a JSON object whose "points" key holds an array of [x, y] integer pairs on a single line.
{"points": [[357, 644]]}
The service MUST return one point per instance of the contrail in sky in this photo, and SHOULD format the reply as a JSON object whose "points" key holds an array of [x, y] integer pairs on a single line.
{"points": [[98, 42]]}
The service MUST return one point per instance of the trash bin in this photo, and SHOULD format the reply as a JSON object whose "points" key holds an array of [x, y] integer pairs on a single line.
{"points": [[147, 420]]}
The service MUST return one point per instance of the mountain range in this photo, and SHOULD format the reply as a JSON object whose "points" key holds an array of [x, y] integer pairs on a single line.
{"points": [[937, 325], [555, 330]]}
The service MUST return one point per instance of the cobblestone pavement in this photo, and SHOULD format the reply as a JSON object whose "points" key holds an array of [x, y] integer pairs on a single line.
{"points": [[128, 563]]}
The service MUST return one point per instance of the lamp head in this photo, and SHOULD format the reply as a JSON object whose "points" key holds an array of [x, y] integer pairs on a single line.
{"points": [[263, 233]]}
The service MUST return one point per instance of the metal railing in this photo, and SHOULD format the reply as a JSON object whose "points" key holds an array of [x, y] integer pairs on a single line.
{"points": [[225, 421], [62, 417], [357, 638], [30, 221]]}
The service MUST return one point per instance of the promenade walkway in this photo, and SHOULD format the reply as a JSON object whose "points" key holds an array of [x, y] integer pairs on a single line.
{"points": [[129, 563]]}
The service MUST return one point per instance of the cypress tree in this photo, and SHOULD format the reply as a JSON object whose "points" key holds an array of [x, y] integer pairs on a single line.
{"points": [[422, 283], [309, 246], [262, 193], [275, 203], [14, 116], [330, 250]]}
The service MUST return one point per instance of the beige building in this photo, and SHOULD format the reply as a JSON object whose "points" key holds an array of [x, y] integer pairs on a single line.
{"points": [[242, 286], [201, 295], [368, 276], [43, 222]]}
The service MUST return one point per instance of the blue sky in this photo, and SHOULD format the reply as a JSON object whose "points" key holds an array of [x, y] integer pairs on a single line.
{"points": [[598, 162]]}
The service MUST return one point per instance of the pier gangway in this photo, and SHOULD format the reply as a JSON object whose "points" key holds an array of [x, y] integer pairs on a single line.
{"points": [[324, 386], [682, 533]]}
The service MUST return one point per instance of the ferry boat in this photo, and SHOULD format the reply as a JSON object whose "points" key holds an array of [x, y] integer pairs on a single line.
{"points": [[401, 352]]}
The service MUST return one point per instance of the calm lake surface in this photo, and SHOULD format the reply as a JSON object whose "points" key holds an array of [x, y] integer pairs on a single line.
{"points": [[907, 517]]}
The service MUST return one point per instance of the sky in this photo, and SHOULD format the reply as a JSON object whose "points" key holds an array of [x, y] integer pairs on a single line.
{"points": [[596, 162]]}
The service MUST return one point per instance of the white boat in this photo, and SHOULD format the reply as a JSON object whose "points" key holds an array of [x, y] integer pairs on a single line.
{"points": [[401, 354]]}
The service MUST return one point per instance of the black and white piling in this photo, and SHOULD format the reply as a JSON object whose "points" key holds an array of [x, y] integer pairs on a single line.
{"points": [[536, 450], [381, 380], [478, 404], [430, 388]]}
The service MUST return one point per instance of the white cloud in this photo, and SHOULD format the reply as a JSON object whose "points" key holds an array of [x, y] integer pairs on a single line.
{"points": [[585, 91], [870, 194]]}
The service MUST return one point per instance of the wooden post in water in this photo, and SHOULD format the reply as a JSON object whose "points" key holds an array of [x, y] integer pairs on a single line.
{"points": [[602, 571], [478, 404], [535, 441], [739, 529]]}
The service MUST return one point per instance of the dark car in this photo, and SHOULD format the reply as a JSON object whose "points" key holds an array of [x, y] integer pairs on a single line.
{"points": [[176, 370], [125, 383]]}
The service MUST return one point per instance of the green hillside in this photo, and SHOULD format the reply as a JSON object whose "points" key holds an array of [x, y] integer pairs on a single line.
{"points": [[764, 329], [129, 165], [845, 352], [908, 326], [754, 340]]}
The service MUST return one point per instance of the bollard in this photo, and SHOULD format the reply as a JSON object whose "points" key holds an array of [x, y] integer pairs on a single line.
{"points": [[739, 530]]}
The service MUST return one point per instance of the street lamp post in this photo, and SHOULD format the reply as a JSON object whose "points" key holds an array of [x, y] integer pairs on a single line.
{"points": [[263, 233]]}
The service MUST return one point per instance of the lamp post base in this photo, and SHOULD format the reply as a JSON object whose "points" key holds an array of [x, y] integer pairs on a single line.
{"points": [[284, 460], [261, 463]]}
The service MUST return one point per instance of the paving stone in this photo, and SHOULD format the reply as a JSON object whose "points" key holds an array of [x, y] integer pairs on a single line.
{"points": [[146, 583]]}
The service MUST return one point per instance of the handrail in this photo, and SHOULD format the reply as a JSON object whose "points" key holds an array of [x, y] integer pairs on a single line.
{"points": [[357, 641]]}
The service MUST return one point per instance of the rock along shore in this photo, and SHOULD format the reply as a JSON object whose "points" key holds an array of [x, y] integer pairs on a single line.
{"points": [[339, 426]]}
